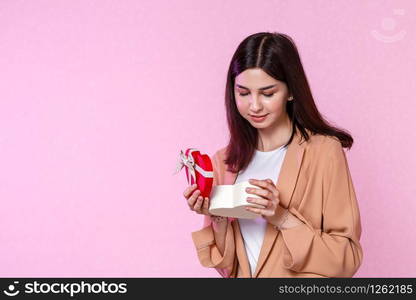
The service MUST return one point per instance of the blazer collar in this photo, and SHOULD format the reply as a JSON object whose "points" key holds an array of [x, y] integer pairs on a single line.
{"points": [[285, 185]]}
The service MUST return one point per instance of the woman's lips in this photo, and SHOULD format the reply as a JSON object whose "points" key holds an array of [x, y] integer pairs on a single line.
{"points": [[258, 119]]}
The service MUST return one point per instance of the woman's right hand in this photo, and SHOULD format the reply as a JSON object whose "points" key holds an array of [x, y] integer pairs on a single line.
{"points": [[195, 201]]}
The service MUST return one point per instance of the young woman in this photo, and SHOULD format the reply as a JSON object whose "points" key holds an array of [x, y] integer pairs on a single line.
{"points": [[309, 221]]}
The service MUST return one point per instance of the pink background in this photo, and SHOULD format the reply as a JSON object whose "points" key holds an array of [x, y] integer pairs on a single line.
{"points": [[97, 98]]}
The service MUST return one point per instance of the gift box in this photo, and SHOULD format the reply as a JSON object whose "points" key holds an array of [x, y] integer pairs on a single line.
{"points": [[198, 168]]}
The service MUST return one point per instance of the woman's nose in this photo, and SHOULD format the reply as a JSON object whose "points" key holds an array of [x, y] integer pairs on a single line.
{"points": [[255, 103]]}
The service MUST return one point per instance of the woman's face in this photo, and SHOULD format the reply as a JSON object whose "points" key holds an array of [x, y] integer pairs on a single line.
{"points": [[258, 94]]}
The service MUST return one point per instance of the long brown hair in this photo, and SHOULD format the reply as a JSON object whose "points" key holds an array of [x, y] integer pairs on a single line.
{"points": [[277, 55]]}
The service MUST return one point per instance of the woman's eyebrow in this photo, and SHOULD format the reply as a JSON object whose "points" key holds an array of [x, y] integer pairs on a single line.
{"points": [[260, 89]]}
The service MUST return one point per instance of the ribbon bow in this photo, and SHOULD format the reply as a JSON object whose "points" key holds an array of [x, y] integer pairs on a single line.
{"points": [[189, 162]]}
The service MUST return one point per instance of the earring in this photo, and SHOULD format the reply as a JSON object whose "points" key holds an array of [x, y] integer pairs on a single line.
{"points": [[290, 98]]}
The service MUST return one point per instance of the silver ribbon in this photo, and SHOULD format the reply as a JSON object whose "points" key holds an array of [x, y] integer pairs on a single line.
{"points": [[189, 162]]}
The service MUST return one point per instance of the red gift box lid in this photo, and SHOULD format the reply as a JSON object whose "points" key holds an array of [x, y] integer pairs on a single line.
{"points": [[199, 169]]}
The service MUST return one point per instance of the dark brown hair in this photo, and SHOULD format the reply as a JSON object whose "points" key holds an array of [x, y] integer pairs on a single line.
{"points": [[277, 55]]}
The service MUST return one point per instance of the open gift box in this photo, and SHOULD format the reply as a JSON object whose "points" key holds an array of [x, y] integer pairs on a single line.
{"points": [[225, 200]]}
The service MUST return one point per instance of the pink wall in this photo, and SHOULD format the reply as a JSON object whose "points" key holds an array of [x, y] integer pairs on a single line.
{"points": [[98, 97]]}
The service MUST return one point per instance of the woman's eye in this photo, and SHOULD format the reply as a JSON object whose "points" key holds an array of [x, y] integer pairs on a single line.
{"points": [[267, 95]]}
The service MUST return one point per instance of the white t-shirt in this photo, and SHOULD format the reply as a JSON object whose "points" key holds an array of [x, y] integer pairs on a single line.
{"points": [[263, 165]]}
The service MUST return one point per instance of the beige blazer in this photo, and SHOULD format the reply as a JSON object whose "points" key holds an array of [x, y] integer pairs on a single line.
{"points": [[315, 184]]}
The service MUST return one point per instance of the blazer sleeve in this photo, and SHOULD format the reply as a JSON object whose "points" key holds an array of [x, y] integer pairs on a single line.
{"points": [[334, 250], [204, 241]]}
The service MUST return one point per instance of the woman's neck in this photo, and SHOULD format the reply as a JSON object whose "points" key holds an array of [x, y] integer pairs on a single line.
{"points": [[275, 136]]}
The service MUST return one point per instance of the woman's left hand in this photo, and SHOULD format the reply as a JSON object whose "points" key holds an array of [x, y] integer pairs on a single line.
{"points": [[270, 201]]}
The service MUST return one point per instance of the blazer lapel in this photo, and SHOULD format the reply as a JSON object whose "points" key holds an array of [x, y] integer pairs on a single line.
{"points": [[285, 185]]}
